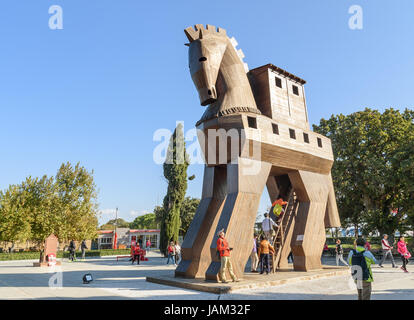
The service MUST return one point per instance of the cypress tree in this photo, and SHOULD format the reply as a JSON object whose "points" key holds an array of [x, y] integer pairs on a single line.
{"points": [[175, 171]]}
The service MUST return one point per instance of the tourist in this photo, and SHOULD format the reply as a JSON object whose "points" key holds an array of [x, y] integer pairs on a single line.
{"points": [[290, 256], [278, 209], [265, 249], [224, 250], [386, 250], [136, 254], [267, 226], [72, 249], [132, 251], [325, 249], [405, 255], [171, 253], [177, 255], [361, 261], [339, 251], [367, 246], [254, 260], [83, 249]]}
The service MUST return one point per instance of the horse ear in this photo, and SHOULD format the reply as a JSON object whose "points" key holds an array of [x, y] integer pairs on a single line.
{"points": [[191, 34]]}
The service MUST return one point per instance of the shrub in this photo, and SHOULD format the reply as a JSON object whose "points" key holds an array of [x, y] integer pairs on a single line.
{"points": [[28, 255]]}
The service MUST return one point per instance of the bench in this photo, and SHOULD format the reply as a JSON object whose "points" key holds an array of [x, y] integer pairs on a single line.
{"points": [[119, 257]]}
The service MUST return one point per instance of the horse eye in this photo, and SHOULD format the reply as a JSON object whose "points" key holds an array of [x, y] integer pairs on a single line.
{"points": [[202, 59]]}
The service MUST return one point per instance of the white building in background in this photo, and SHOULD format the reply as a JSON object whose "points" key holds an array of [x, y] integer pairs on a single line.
{"points": [[125, 236], [142, 235]]}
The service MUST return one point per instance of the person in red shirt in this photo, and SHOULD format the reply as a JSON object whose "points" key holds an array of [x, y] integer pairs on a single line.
{"points": [[367, 246], [171, 253], [224, 250], [136, 254]]}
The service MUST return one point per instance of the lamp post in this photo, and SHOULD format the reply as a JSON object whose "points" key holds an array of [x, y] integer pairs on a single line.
{"points": [[116, 222]]}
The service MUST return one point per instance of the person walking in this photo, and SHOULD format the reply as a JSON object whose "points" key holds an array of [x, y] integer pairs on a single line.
{"points": [[148, 245], [405, 255], [339, 252], [367, 246], [83, 249], [177, 249], [267, 226], [136, 254], [133, 244], [254, 260], [224, 250], [265, 249], [72, 249], [386, 250], [290, 256], [171, 253], [361, 261]]}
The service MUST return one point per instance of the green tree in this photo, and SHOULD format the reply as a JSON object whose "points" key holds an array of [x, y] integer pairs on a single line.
{"points": [[64, 205], [41, 208], [175, 171], [159, 214], [369, 150], [76, 206], [120, 223], [14, 218], [188, 210], [147, 221]]}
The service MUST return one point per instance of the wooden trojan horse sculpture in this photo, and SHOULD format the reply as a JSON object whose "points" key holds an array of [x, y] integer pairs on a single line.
{"points": [[259, 120]]}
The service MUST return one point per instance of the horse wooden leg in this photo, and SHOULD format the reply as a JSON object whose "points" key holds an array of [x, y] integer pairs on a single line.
{"points": [[244, 191], [196, 255], [312, 190], [332, 215]]}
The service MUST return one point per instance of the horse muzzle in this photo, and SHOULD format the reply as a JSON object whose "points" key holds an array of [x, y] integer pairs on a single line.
{"points": [[207, 95]]}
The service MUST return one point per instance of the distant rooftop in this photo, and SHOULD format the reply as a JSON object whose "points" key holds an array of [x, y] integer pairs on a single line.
{"points": [[280, 71]]}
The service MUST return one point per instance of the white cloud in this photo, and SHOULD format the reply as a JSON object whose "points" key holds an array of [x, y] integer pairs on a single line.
{"points": [[107, 212], [137, 213]]}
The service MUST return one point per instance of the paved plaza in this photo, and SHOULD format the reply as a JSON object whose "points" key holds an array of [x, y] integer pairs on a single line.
{"points": [[121, 280]]}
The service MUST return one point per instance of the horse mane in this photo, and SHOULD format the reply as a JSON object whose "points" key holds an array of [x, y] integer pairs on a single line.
{"points": [[199, 32]]}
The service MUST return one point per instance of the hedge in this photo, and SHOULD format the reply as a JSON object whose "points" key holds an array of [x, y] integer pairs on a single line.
{"points": [[29, 255]]}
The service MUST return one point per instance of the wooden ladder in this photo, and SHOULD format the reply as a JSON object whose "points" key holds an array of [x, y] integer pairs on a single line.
{"points": [[283, 228]]}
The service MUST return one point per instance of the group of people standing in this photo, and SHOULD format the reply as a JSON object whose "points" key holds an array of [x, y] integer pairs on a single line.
{"points": [[386, 252], [174, 252], [360, 259]]}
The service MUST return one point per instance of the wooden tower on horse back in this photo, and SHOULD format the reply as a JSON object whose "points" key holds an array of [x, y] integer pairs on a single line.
{"points": [[254, 133]]}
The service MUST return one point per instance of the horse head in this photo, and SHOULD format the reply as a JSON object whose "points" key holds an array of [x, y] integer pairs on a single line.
{"points": [[206, 50], [218, 72]]}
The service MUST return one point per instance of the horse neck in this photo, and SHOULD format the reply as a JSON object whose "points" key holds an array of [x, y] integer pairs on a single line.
{"points": [[234, 92], [233, 87]]}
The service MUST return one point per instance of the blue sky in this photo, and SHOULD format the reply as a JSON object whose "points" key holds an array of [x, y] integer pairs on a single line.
{"points": [[96, 91]]}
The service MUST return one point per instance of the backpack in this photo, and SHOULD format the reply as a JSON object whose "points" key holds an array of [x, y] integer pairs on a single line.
{"points": [[358, 259]]}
